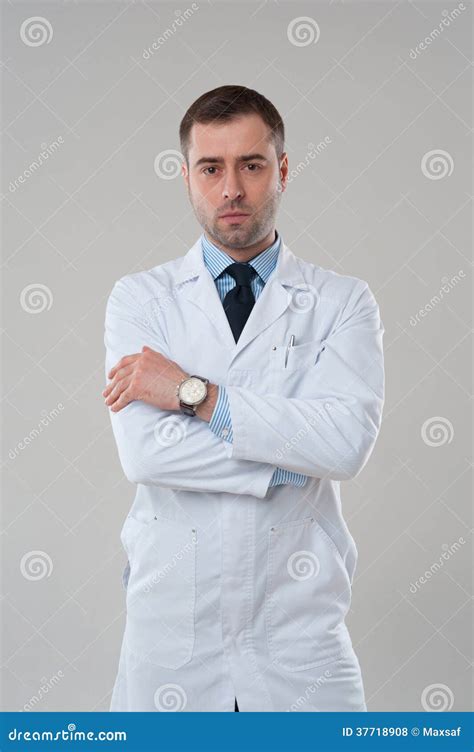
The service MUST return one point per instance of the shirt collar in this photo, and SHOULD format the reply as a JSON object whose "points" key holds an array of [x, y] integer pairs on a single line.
{"points": [[217, 260]]}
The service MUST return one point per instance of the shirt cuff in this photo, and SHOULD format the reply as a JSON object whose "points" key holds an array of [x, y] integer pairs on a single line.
{"points": [[221, 422], [283, 477]]}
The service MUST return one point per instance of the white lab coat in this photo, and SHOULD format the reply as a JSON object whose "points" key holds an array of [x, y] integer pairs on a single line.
{"points": [[234, 588]]}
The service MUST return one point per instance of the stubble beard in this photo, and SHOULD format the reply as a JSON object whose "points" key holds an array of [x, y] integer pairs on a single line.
{"points": [[252, 231]]}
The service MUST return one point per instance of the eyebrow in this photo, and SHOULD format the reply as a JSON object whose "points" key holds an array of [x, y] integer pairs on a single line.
{"points": [[241, 158]]}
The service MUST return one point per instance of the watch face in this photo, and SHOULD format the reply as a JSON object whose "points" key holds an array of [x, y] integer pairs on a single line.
{"points": [[192, 391]]}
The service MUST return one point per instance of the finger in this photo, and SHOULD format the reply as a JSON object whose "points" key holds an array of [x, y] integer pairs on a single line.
{"points": [[119, 387], [123, 362], [121, 373], [122, 401]]}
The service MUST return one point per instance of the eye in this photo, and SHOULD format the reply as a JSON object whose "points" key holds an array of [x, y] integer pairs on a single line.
{"points": [[254, 164], [210, 168]]}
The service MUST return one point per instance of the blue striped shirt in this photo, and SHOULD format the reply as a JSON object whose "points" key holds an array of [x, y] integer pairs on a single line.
{"points": [[216, 262]]}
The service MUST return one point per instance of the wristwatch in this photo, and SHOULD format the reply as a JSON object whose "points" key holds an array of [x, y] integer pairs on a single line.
{"points": [[191, 392]]}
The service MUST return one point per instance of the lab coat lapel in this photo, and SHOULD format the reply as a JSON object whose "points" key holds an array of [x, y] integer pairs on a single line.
{"points": [[200, 289]]}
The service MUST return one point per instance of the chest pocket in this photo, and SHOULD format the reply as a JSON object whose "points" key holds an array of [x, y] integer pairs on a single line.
{"points": [[289, 364]]}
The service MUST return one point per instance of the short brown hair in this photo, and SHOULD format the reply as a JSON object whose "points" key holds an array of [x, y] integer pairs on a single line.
{"points": [[227, 102]]}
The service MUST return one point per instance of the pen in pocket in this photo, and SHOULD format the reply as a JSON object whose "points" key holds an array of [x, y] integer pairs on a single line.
{"points": [[290, 344]]}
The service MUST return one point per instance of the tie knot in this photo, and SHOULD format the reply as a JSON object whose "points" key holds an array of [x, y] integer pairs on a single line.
{"points": [[242, 273]]}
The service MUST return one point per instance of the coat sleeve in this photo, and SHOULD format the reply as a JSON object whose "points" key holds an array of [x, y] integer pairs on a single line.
{"points": [[221, 421], [331, 434], [160, 447]]}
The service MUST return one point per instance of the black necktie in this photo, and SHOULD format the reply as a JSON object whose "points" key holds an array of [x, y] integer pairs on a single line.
{"points": [[240, 300]]}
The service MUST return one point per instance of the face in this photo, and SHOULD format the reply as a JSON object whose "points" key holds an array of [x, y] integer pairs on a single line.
{"points": [[233, 167]]}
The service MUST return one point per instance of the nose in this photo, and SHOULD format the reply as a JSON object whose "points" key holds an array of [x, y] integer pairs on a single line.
{"points": [[232, 188]]}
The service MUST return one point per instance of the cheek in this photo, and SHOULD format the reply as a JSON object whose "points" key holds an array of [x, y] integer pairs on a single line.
{"points": [[206, 193], [263, 196], [265, 185]]}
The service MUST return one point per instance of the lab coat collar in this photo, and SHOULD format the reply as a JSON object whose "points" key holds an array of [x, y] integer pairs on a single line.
{"points": [[199, 287]]}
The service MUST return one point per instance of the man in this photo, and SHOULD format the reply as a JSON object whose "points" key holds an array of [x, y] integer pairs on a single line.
{"points": [[244, 385]]}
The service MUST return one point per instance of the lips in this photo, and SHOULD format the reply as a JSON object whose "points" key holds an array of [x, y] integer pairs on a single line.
{"points": [[236, 214]]}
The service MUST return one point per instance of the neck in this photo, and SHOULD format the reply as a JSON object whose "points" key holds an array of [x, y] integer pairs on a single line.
{"points": [[248, 253]]}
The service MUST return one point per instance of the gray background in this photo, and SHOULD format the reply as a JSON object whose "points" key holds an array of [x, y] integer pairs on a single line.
{"points": [[370, 204]]}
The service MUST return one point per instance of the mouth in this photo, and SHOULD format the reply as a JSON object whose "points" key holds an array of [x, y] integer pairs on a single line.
{"points": [[234, 218]]}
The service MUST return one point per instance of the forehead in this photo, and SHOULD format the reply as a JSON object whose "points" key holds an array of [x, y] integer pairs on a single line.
{"points": [[241, 135]]}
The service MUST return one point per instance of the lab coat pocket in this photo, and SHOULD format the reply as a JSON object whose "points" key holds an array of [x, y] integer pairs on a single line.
{"points": [[161, 591], [307, 596], [303, 355], [289, 364]]}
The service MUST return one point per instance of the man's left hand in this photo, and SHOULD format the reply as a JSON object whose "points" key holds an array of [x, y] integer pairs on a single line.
{"points": [[148, 376]]}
